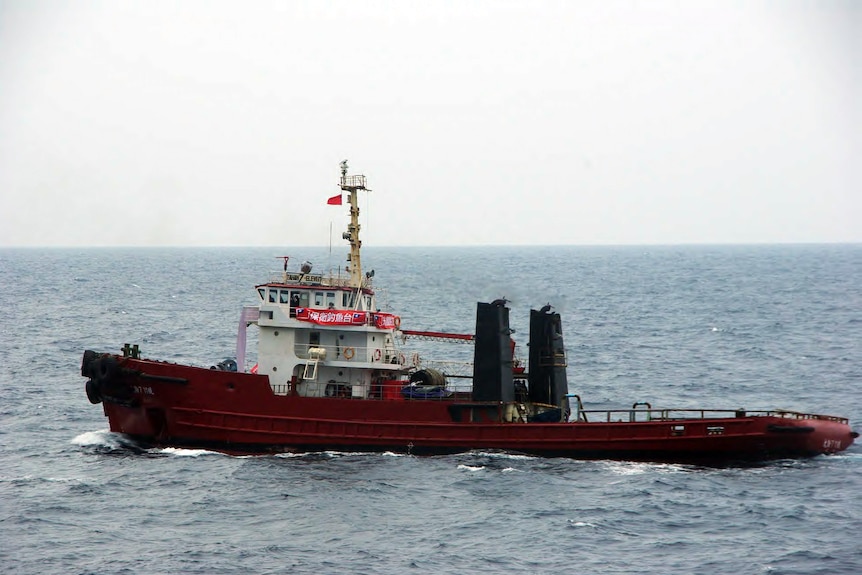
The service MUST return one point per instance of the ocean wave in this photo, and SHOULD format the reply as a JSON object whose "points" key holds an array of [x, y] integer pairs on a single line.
{"points": [[30, 478], [337, 454], [501, 455], [639, 468], [97, 502], [574, 523]]}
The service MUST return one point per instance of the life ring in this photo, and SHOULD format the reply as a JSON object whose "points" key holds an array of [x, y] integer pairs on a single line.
{"points": [[377, 354], [402, 359], [348, 353], [416, 359], [397, 322]]}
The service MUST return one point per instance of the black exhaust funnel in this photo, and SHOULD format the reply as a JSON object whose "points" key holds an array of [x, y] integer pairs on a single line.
{"points": [[547, 369], [492, 358]]}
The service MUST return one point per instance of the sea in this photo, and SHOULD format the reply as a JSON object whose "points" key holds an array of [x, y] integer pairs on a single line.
{"points": [[715, 327]]}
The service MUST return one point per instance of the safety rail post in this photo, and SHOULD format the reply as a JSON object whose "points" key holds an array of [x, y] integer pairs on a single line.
{"points": [[579, 407], [633, 417]]}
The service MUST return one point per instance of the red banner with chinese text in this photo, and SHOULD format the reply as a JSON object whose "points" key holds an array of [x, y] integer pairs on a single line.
{"points": [[347, 317], [332, 317]]}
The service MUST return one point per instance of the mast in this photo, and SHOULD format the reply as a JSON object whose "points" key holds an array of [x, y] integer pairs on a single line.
{"points": [[351, 184]]}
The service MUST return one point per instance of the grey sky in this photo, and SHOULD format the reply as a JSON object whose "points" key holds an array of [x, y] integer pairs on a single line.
{"points": [[223, 123]]}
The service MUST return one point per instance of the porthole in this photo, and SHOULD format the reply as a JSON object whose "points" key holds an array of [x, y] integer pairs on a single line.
{"points": [[274, 368], [275, 332]]}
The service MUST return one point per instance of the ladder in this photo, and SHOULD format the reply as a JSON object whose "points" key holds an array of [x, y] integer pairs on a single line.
{"points": [[315, 356]]}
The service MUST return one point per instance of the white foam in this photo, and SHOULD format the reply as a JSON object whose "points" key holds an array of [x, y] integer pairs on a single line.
{"points": [[103, 437], [502, 455], [336, 454], [346, 453], [179, 452], [638, 468], [393, 454], [471, 468]]}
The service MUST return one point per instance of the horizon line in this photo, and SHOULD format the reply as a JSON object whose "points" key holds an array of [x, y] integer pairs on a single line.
{"points": [[437, 246]]}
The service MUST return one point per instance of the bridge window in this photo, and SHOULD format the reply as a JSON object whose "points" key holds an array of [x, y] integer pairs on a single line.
{"points": [[273, 295], [318, 299], [262, 293], [330, 299], [284, 296]]}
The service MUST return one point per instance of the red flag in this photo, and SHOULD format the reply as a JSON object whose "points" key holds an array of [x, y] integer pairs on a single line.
{"points": [[334, 200]]}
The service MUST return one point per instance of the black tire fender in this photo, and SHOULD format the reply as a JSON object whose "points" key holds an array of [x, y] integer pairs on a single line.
{"points": [[105, 368], [94, 394], [87, 363]]}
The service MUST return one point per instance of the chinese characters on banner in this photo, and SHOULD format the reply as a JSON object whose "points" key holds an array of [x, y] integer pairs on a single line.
{"points": [[346, 317], [331, 317]]}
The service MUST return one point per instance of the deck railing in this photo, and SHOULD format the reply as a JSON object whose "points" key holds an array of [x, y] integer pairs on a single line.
{"points": [[353, 354], [392, 389], [648, 414], [313, 280]]}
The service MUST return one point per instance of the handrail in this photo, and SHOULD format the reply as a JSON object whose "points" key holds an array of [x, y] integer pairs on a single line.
{"points": [[633, 414], [310, 280], [354, 354], [391, 389], [697, 414]]}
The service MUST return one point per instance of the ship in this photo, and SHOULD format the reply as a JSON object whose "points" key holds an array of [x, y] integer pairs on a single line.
{"points": [[333, 372]]}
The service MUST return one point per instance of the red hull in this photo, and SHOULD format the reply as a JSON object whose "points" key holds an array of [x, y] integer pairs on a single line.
{"points": [[167, 404]]}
